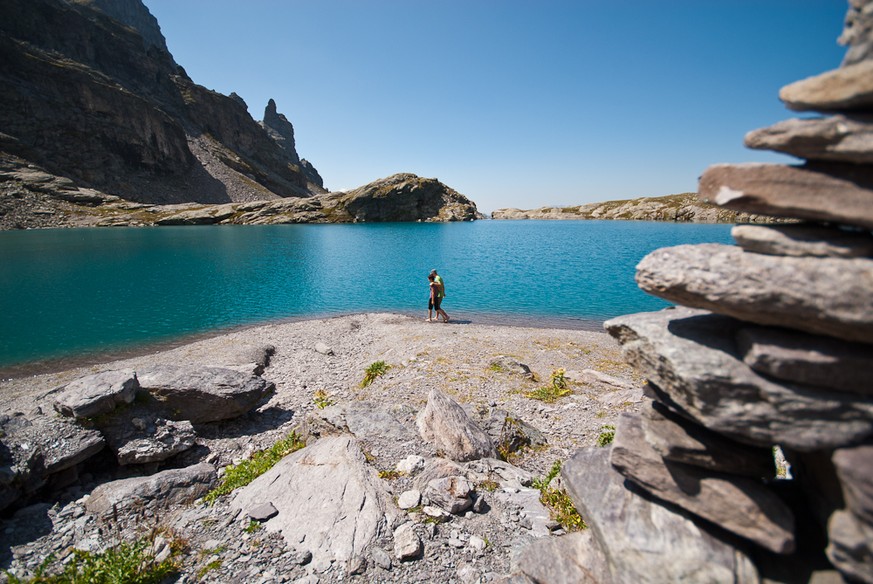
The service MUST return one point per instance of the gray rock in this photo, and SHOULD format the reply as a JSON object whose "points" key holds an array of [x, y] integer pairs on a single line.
{"points": [[381, 558], [532, 514], [97, 394], [803, 241], [163, 489], [678, 439], [409, 499], [740, 505], [202, 394], [690, 357], [642, 541], [850, 546], [492, 469], [854, 466], [597, 378], [576, 557], [323, 349], [764, 289], [808, 359], [262, 512], [507, 364], [437, 468], [407, 544], [410, 465], [792, 191], [139, 441], [445, 424], [454, 494], [511, 434], [330, 484], [847, 88], [858, 32], [436, 514], [837, 138]]}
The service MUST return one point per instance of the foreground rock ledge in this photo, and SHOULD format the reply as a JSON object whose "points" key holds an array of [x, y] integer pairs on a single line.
{"points": [[829, 296], [691, 358]]}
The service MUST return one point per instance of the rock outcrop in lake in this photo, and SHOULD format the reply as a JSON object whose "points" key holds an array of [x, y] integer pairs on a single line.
{"points": [[682, 208], [769, 354]]}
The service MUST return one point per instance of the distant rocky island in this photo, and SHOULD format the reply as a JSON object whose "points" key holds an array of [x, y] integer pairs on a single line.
{"points": [[684, 207], [100, 126]]}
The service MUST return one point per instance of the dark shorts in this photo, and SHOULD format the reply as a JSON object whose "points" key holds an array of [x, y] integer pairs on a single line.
{"points": [[434, 304]]}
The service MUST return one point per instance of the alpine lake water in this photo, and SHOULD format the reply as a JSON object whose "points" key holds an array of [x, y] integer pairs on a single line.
{"points": [[68, 295]]}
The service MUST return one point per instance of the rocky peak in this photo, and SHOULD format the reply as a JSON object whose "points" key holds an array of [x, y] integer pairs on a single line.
{"points": [[133, 14], [280, 130]]}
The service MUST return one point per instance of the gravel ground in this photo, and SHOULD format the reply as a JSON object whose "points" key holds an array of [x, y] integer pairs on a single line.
{"points": [[454, 357]]}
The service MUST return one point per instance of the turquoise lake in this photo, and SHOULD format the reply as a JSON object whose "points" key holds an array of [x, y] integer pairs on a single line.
{"points": [[75, 293]]}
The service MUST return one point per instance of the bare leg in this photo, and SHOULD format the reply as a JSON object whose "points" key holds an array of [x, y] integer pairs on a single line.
{"points": [[443, 313]]}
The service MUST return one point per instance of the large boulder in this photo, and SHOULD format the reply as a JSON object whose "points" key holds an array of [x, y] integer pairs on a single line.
{"points": [[447, 426], [202, 394]]}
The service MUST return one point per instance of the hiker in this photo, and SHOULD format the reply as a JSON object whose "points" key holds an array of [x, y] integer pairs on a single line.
{"points": [[439, 288]]}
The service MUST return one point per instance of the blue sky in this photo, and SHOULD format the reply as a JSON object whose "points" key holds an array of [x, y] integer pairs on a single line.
{"points": [[512, 103]]}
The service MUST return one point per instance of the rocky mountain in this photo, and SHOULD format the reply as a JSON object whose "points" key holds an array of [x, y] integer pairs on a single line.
{"points": [[685, 207], [90, 94]]}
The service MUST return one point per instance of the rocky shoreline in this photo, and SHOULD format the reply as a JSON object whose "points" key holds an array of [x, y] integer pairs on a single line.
{"points": [[151, 472]]}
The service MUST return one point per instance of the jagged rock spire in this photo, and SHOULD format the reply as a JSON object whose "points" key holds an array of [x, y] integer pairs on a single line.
{"points": [[280, 130]]}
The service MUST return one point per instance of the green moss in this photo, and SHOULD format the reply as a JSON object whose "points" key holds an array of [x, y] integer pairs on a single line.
{"points": [[607, 435]]}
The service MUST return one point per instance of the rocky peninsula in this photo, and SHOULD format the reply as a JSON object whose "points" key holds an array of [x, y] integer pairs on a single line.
{"points": [[681, 208]]}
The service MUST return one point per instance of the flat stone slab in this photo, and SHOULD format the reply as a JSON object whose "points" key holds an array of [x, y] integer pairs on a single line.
{"points": [[678, 439], [803, 241], [644, 542], [821, 192], [329, 500], [693, 363], [837, 138], [854, 467], [163, 489], [202, 394], [97, 394], [809, 359], [741, 505], [828, 296], [847, 88]]}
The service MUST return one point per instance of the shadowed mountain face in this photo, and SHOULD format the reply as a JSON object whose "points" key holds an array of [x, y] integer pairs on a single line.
{"points": [[88, 91]]}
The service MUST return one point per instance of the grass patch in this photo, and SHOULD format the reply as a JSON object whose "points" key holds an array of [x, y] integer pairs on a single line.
{"points": [[555, 390], [322, 399], [607, 435], [561, 508], [253, 526], [213, 565], [373, 372], [488, 485], [236, 476], [132, 563]]}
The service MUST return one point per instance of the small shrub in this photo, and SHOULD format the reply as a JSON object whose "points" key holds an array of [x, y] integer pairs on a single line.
{"points": [[132, 563], [560, 506], [390, 475], [607, 435], [236, 476], [555, 390], [488, 485], [322, 399], [373, 371], [253, 526], [213, 565]]}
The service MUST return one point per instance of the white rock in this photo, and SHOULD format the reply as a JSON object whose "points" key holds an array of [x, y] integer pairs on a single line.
{"points": [[407, 544], [409, 499]]}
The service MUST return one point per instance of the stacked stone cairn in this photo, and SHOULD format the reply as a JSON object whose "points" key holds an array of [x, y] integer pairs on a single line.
{"points": [[770, 351]]}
